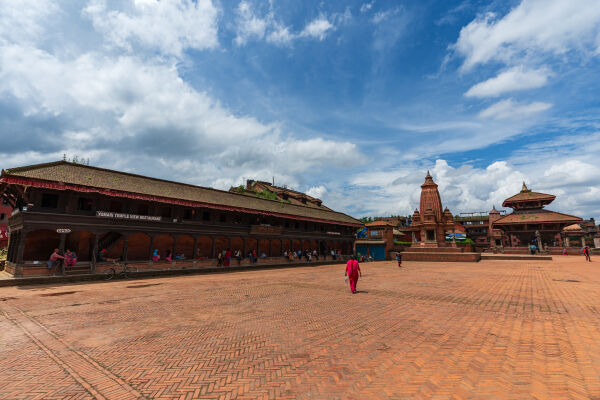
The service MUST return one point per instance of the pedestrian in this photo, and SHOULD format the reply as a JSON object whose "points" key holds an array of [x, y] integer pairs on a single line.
{"points": [[155, 255], [353, 273], [169, 256], [399, 259], [54, 259], [564, 253], [227, 257], [254, 256], [70, 258], [238, 256], [219, 259], [586, 253]]}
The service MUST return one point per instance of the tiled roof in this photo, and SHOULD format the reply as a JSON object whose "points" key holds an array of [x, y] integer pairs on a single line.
{"points": [[573, 228], [379, 223], [537, 217], [528, 195], [63, 172]]}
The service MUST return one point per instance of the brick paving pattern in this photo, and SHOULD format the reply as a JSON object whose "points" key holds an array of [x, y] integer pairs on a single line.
{"points": [[491, 330]]}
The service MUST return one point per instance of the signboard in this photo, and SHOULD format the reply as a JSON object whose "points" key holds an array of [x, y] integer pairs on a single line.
{"points": [[108, 214], [266, 230], [63, 230], [333, 233]]}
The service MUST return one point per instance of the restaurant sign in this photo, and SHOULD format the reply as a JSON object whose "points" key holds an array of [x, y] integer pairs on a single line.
{"points": [[333, 233], [108, 214]]}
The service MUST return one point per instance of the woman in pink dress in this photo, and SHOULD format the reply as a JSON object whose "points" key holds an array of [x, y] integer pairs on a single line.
{"points": [[227, 257], [353, 273]]}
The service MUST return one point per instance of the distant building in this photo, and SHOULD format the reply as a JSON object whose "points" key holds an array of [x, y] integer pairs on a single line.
{"points": [[529, 220], [87, 209]]}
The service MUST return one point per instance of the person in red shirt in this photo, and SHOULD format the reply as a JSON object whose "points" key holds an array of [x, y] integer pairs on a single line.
{"points": [[228, 257], [353, 273]]}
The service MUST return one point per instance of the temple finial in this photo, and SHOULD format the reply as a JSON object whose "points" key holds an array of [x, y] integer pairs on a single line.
{"points": [[524, 188]]}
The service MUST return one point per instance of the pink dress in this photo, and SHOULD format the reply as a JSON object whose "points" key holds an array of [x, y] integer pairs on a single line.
{"points": [[352, 269]]}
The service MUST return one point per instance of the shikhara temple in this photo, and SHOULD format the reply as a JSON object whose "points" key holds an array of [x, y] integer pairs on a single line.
{"points": [[88, 209], [530, 222]]}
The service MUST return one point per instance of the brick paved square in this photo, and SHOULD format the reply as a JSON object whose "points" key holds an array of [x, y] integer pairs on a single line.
{"points": [[488, 330]]}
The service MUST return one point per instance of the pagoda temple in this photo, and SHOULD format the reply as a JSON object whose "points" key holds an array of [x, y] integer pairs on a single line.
{"points": [[530, 221], [431, 221]]}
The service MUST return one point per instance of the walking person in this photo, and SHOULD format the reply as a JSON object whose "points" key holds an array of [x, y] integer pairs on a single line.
{"points": [[219, 259], [399, 259], [586, 253], [353, 273]]}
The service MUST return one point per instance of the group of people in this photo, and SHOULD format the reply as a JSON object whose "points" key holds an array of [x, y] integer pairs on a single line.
{"points": [[56, 258]]}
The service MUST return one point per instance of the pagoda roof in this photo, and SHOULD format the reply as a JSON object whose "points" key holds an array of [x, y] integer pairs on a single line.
{"points": [[537, 217], [63, 175], [526, 195]]}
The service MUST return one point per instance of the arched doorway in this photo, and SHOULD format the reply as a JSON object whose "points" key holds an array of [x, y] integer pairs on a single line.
{"points": [[203, 247], [138, 247], [221, 244], [40, 244], [276, 248], [185, 247], [163, 243], [251, 245], [263, 247], [82, 243]]}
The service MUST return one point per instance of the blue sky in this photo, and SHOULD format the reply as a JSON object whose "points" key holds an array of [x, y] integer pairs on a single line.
{"points": [[350, 101]]}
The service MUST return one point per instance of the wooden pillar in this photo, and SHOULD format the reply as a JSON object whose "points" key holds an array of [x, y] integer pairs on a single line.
{"points": [[281, 245], [212, 250], [61, 248], [195, 248], [20, 246], [151, 247], [245, 250], [125, 243], [270, 248], [94, 252], [174, 250]]}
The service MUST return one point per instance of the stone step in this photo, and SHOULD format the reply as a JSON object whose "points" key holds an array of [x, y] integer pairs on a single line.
{"points": [[515, 257]]}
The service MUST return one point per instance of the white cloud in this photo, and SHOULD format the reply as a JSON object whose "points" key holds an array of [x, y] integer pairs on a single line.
{"points": [[317, 28], [105, 104], [513, 79], [532, 28], [171, 26], [317, 191], [252, 26], [509, 109], [20, 20], [367, 6], [384, 15], [249, 25]]}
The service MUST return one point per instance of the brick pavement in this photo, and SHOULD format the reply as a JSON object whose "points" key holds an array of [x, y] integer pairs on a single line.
{"points": [[491, 330]]}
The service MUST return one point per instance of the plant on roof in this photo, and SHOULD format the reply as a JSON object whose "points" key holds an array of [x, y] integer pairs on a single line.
{"points": [[402, 243]]}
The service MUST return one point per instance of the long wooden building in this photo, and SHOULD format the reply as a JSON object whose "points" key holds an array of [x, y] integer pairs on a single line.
{"points": [[88, 209]]}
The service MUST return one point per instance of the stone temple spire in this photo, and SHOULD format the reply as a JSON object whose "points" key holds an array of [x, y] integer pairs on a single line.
{"points": [[430, 198]]}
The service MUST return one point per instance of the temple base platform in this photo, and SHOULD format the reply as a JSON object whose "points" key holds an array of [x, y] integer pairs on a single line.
{"points": [[485, 256], [440, 254]]}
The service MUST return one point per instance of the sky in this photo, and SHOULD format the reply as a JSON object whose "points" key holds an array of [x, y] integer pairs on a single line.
{"points": [[349, 101]]}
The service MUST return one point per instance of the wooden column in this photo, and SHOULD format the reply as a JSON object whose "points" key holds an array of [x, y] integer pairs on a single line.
{"points": [[195, 248], [61, 248], [94, 252], [20, 246], [212, 251], [245, 250], [125, 243], [270, 248], [174, 249], [151, 247]]}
